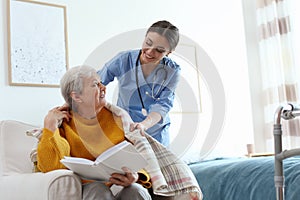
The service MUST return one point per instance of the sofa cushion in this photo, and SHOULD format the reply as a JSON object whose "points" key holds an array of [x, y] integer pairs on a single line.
{"points": [[55, 185], [15, 147]]}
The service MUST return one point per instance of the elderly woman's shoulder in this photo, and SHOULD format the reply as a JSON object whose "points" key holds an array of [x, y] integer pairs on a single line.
{"points": [[116, 109]]}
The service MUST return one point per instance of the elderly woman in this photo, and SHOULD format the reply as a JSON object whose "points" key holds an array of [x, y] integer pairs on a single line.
{"points": [[92, 126]]}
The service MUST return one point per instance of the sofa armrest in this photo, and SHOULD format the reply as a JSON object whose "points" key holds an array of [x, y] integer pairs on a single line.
{"points": [[54, 185]]}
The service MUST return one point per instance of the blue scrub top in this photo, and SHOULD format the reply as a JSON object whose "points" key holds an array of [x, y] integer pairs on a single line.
{"points": [[157, 95]]}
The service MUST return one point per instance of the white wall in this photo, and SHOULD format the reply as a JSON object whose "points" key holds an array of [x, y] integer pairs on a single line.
{"points": [[216, 25]]}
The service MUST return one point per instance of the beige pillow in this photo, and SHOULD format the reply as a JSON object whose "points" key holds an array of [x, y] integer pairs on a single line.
{"points": [[15, 147]]}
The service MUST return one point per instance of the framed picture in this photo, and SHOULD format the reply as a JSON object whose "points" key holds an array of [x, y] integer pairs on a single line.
{"points": [[38, 53]]}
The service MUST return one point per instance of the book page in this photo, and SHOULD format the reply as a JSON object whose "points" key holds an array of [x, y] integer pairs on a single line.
{"points": [[111, 151], [91, 172], [128, 157], [77, 160]]}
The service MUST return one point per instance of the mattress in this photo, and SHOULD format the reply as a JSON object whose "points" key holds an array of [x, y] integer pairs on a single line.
{"points": [[245, 178]]}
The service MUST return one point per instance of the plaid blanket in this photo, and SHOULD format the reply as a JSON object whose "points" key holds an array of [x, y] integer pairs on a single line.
{"points": [[169, 175]]}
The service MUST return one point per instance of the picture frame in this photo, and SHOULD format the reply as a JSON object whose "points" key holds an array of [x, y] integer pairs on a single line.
{"points": [[38, 43]]}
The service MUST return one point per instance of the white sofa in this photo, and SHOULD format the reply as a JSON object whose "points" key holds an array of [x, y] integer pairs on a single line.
{"points": [[17, 180]]}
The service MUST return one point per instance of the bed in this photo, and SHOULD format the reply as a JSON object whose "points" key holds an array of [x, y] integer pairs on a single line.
{"points": [[246, 178], [262, 178]]}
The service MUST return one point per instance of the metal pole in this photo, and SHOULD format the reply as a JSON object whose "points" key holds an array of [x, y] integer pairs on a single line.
{"points": [[291, 111], [278, 169], [278, 173]]}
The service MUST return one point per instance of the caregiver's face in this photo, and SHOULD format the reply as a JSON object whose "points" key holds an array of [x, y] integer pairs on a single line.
{"points": [[154, 48]]}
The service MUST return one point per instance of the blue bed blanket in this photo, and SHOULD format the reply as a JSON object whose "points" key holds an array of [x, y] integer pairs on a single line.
{"points": [[246, 178]]}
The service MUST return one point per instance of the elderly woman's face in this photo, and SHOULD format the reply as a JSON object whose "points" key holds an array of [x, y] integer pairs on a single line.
{"points": [[93, 93]]}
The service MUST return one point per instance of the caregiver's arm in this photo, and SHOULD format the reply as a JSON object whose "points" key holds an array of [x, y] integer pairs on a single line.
{"points": [[151, 119]]}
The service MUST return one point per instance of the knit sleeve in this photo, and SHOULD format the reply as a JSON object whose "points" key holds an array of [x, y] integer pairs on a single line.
{"points": [[51, 149]]}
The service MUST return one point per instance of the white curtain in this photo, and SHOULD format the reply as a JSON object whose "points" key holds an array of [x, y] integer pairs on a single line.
{"points": [[280, 71]]}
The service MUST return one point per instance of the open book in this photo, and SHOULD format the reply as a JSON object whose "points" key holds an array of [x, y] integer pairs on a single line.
{"points": [[110, 161]]}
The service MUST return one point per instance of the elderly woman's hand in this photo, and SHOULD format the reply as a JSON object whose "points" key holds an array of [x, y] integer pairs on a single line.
{"points": [[124, 179], [55, 117]]}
